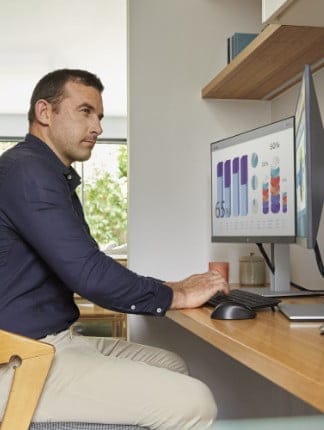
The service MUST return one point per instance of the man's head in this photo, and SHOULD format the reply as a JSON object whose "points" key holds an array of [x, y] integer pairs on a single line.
{"points": [[51, 87], [65, 112]]}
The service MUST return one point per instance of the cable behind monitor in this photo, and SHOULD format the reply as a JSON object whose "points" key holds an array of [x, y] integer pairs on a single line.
{"points": [[319, 260], [266, 257]]}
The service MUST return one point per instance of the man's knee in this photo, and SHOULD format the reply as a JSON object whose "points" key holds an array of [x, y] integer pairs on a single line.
{"points": [[201, 409], [192, 407]]}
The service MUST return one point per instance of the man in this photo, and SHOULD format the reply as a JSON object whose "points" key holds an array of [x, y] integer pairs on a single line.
{"points": [[47, 254]]}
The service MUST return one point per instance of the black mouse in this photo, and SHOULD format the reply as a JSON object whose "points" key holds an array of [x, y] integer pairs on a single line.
{"points": [[230, 310]]}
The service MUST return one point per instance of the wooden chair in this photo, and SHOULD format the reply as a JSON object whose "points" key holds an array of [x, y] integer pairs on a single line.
{"points": [[33, 360]]}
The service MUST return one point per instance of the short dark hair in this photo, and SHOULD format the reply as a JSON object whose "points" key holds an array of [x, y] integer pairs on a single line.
{"points": [[51, 87]]}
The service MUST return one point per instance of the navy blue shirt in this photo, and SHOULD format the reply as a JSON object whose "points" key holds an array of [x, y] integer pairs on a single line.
{"points": [[47, 252]]}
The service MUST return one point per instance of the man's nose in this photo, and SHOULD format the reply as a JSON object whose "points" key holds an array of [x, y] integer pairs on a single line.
{"points": [[96, 127]]}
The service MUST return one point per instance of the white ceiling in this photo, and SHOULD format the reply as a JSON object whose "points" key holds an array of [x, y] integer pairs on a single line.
{"points": [[37, 36]]}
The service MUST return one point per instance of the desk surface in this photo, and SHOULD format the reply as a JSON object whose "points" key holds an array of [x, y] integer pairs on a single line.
{"points": [[289, 354]]}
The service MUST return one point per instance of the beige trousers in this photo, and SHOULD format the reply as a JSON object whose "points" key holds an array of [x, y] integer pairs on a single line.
{"points": [[107, 380]]}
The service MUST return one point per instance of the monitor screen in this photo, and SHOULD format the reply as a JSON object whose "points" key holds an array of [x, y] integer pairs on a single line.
{"points": [[253, 185], [309, 163]]}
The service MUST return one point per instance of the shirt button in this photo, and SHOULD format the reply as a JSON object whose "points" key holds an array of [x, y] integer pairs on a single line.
{"points": [[159, 310], [133, 307], [69, 177]]}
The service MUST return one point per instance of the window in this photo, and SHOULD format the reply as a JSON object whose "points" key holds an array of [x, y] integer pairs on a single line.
{"points": [[103, 192]]}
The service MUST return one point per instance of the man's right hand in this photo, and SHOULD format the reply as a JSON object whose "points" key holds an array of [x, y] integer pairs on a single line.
{"points": [[196, 290]]}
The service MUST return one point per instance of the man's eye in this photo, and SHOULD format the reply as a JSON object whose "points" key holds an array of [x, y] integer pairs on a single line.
{"points": [[86, 110]]}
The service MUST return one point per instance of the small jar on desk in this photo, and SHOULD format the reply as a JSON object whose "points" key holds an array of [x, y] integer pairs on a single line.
{"points": [[252, 270]]}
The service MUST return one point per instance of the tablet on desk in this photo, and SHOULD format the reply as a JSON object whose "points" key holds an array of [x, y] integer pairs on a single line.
{"points": [[303, 311]]}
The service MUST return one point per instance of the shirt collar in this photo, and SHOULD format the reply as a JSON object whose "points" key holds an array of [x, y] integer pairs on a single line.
{"points": [[72, 177]]}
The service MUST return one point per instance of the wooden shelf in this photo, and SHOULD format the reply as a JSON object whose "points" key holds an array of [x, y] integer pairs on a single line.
{"points": [[270, 64]]}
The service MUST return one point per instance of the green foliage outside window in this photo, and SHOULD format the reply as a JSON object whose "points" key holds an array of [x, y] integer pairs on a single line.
{"points": [[105, 203]]}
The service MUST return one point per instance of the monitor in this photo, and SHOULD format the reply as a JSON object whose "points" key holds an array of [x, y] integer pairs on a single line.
{"points": [[253, 194], [309, 184], [309, 166], [253, 187]]}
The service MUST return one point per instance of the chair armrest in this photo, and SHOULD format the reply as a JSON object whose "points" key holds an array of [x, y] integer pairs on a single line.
{"points": [[35, 359]]}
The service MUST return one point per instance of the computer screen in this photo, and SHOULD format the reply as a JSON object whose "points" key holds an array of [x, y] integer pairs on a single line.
{"points": [[309, 163], [253, 185]]}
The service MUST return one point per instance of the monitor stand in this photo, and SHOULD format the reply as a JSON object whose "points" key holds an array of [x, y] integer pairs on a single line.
{"points": [[280, 279]]}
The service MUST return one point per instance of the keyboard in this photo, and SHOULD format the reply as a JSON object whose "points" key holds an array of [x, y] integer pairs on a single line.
{"points": [[246, 298]]}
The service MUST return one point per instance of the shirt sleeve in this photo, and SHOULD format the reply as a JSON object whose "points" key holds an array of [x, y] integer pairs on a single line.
{"points": [[40, 208]]}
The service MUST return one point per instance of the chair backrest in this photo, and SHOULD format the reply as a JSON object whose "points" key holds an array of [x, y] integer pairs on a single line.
{"points": [[33, 360]]}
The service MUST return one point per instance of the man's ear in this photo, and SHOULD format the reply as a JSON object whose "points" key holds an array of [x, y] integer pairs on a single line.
{"points": [[43, 111]]}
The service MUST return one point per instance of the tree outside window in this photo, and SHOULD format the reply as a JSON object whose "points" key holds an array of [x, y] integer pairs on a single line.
{"points": [[104, 193]]}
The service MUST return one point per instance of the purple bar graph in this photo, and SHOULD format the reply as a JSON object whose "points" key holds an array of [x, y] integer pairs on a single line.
{"points": [[244, 186], [227, 188], [236, 186]]}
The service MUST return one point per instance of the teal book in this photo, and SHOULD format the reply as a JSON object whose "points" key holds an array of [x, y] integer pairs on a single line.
{"points": [[238, 42]]}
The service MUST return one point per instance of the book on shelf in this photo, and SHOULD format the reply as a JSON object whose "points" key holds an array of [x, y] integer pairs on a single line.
{"points": [[237, 42]]}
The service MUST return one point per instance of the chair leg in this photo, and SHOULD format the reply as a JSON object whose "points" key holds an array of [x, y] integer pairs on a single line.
{"points": [[29, 379]]}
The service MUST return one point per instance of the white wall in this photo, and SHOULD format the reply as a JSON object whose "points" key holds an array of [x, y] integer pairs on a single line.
{"points": [[175, 48]]}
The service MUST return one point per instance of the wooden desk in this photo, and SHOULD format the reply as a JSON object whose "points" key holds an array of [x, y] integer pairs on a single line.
{"points": [[288, 354]]}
